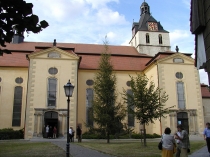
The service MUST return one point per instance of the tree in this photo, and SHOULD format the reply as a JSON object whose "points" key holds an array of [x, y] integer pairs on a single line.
{"points": [[107, 113], [146, 102], [18, 15]]}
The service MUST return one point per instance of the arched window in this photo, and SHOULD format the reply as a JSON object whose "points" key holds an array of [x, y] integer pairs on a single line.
{"points": [[160, 39], [147, 38], [180, 95], [52, 89], [89, 106], [17, 106], [130, 109]]}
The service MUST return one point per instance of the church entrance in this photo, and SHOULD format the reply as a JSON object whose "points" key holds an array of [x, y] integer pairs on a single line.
{"points": [[182, 118], [51, 119]]}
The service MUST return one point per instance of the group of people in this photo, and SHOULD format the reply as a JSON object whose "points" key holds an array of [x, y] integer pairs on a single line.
{"points": [[178, 143], [51, 132], [79, 134]]}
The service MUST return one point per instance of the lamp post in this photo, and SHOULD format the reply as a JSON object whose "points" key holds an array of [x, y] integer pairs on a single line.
{"points": [[68, 88]]}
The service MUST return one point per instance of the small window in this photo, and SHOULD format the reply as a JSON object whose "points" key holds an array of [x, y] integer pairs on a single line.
{"points": [[160, 39], [53, 71], [178, 60], [19, 80], [54, 55], [179, 75], [147, 38], [128, 83], [89, 82]]}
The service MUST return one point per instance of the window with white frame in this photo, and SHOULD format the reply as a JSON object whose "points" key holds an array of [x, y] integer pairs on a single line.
{"points": [[180, 95], [130, 108], [17, 106], [89, 106], [52, 90]]}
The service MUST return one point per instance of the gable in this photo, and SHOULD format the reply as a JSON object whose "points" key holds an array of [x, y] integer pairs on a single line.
{"points": [[53, 53], [176, 58]]}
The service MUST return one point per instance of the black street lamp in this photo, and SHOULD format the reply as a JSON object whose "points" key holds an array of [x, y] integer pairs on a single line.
{"points": [[68, 88]]}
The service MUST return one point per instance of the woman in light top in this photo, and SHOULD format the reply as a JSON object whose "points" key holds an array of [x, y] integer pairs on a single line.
{"points": [[168, 143]]}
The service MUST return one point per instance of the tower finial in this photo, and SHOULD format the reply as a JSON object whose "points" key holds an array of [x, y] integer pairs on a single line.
{"points": [[177, 49]]}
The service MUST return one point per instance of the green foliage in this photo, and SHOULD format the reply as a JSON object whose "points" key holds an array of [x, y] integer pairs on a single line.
{"points": [[147, 101], [18, 14], [9, 133], [107, 113], [90, 135]]}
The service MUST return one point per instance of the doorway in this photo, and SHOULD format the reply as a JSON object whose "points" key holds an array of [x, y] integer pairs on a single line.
{"points": [[182, 118], [51, 119]]}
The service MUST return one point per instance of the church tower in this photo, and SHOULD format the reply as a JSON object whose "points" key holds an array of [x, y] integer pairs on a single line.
{"points": [[148, 36]]}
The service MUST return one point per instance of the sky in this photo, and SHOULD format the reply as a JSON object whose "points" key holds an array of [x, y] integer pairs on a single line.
{"points": [[89, 21]]}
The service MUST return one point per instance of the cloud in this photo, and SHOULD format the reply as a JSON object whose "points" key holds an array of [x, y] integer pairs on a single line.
{"points": [[107, 16], [187, 3], [97, 4], [183, 39], [203, 77]]}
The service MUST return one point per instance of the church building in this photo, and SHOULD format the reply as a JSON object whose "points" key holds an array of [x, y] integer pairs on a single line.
{"points": [[32, 80]]}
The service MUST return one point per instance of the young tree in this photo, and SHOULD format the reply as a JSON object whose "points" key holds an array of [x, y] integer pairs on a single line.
{"points": [[19, 15], [107, 113], [145, 102]]}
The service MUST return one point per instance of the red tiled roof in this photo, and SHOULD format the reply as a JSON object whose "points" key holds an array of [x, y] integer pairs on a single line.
{"points": [[123, 57], [79, 48], [118, 62], [16, 59], [205, 91], [160, 55]]}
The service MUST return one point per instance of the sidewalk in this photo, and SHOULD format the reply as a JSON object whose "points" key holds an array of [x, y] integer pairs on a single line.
{"points": [[78, 151]]}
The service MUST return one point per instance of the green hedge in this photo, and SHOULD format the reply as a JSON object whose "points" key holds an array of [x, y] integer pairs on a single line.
{"points": [[126, 136], [9, 133]]}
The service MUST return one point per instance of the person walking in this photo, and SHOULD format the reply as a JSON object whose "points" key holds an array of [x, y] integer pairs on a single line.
{"points": [[178, 143], [54, 132], [70, 134], [168, 143], [206, 135], [47, 131], [79, 134], [184, 144]]}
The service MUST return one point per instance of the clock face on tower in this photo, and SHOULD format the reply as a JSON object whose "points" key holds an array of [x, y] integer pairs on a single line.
{"points": [[152, 26]]}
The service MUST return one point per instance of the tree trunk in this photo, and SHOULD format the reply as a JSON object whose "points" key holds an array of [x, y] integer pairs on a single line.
{"points": [[108, 137], [160, 127], [145, 144]]}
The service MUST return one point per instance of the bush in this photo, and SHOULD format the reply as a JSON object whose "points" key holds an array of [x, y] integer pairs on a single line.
{"points": [[88, 135], [9, 133]]}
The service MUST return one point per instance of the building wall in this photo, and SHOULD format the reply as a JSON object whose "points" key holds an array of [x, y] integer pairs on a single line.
{"points": [[162, 73], [167, 80], [37, 92], [206, 109], [84, 75], [8, 84], [153, 47]]}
